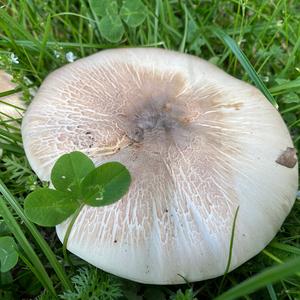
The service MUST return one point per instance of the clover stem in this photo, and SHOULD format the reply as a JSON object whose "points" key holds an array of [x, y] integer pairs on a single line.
{"points": [[68, 232]]}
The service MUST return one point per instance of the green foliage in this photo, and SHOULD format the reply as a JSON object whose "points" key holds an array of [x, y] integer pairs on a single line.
{"points": [[69, 170], [105, 184], [111, 28], [29, 284], [31, 258], [4, 230], [93, 284], [187, 295], [104, 7], [44, 296], [245, 63], [268, 276], [132, 12], [77, 181], [18, 174], [8, 253], [48, 207], [152, 293]]}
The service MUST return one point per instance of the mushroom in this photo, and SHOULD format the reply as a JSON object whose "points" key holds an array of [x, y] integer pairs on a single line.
{"points": [[11, 106], [199, 145]]}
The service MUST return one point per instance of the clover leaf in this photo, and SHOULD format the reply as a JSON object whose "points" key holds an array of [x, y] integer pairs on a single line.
{"points": [[69, 170], [132, 12], [77, 182], [102, 8], [106, 184], [8, 253], [49, 207], [111, 28]]}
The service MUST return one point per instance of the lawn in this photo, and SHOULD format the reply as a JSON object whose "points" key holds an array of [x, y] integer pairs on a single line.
{"points": [[255, 41]]}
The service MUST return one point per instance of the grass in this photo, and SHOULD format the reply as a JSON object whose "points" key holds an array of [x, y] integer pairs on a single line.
{"points": [[257, 41]]}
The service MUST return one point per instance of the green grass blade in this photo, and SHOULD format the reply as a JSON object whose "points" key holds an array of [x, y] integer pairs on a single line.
{"points": [[10, 105], [44, 43], [156, 20], [270, 275], [12, 136], [232, 45], [10, 92], [231, 241], [286, 248], [271, 292], [31, 266], [272, 256], [183, 42], [290, 86], [230, 248], [40, 271], [293, 55], [9, 24], [12, 148], [37, 236], [295, 107]]}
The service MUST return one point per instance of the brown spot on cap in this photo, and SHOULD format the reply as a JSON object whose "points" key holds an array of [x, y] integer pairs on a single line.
{"points": [[288, 158]]}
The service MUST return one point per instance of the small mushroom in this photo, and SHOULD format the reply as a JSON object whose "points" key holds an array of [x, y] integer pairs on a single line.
{"points": [[11, 106], [198, 143]]}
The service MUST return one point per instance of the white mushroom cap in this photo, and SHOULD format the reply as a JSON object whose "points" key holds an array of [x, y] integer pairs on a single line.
{"points": [[198, 143], [11, 107]]}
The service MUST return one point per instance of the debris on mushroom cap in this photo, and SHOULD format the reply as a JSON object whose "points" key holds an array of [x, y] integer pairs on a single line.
{"points": [[11, 106], [288, 158], [198, 143]]}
